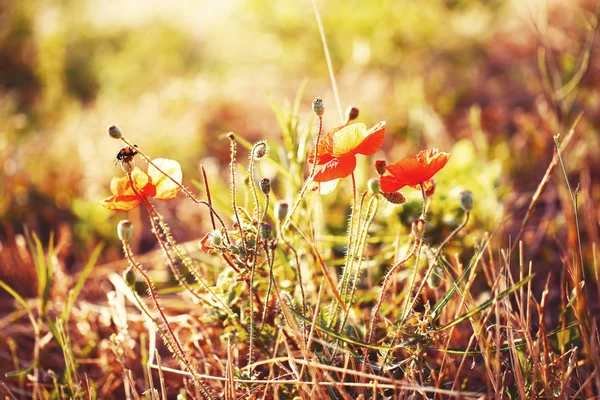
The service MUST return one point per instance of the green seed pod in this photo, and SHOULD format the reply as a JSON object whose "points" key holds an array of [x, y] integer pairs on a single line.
{"points": [[125, 230], [351, 113], [318, 107], [265, 186], [114, 132], [466, 200], [266, 230], [395, 197], [129, 277], [374, 186], [281, 210]]}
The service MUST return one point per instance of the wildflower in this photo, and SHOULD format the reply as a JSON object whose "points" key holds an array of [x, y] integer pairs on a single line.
{"points": [[128, 191], [337, 151], [413, 171]]}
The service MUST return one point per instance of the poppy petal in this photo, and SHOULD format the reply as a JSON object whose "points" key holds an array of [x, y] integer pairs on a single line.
{"points": [[419, 168], [121, 203], [337, 168], [389, 184], [166, 189], [372, 141], [347, 139]]}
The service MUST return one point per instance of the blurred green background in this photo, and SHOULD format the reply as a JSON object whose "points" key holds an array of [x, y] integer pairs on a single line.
{"points": [[462, 75]]}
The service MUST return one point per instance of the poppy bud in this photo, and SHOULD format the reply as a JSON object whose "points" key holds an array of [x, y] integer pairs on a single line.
{"points": [[418, 228], [435, 278], [394, 197], [129, 277], [265, 185], [380, 166], [231, 136], [266, 230], [114, 132], [466, 200], [281, 210], [374, 186], [351, 114], [125, 230], [216, 238], [260, 150], [127, 166], [318, 107]]}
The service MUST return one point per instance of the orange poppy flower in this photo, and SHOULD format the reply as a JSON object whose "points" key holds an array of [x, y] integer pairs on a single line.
{"points": [[412, 171], [129, 190], [337, 150]]}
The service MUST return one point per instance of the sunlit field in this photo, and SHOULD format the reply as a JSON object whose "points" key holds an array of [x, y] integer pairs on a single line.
{"points": [[299, 199]]}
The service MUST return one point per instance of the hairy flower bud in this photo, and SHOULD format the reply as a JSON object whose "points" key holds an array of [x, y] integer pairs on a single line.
{"points": [[129, 277], [394, 197], [351, 114], [281, 210], [266, 230], [318, 107], [418, 228], [466, 200], [260, 150], [374, 186], [114, 132], [380, 166], [265, 186], [125, 230]]}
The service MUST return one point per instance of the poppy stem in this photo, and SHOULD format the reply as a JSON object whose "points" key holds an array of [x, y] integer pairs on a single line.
{"points": [[434, 263], [425, 202], [307, 183], [251, 180], [233, 149]]}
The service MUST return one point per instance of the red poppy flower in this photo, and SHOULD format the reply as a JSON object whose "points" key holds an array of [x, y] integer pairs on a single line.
{"points": [[337, 151], [129, 190], [412, 171]]}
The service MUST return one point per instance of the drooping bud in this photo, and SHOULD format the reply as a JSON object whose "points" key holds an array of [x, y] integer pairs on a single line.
{"points": [[265, 186], [125, 230], [129, 277], [374, 186], [380, 166], [318, 107], [418, 228], [281, 210], [394, 197], [114, 132], [265, 230], [260, 150], [351, 114], [466, 200]]}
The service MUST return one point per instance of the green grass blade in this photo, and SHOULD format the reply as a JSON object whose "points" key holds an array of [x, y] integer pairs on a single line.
{"points": [[22, 302], [486, 304]]}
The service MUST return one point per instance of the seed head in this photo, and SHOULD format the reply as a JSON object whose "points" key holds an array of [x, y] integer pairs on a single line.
{"points": [[114, 132], [125, 230], [394, 197], [318, 107], [466, 200]]}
